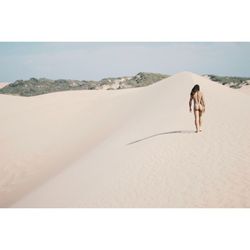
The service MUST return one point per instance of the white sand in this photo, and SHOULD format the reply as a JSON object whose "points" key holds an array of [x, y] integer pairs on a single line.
{"points": [[126, 148], [245, 89]]}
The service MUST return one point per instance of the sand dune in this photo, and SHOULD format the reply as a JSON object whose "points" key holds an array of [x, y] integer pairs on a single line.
{"points": [[245, 89], [126, 148]]}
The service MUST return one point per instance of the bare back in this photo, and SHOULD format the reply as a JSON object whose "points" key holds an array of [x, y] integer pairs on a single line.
{"points": [[197, 97], [198, 101]]}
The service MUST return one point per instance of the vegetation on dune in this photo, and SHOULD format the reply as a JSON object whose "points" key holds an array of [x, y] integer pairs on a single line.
{"points": [[40, 86], [145, 79], [231, 81]]}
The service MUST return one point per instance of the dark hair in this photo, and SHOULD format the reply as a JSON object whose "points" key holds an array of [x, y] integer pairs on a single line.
{"points": [[195, 89]]}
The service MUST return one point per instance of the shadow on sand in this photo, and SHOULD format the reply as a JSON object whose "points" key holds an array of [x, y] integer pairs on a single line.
{"points": [[164, 133]]}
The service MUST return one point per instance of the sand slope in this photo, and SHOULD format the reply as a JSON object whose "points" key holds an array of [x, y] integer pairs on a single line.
{"points": [[127, 148], [41, 135], [245, 89]]}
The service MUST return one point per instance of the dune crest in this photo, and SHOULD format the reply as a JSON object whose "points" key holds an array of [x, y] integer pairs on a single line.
{"points": [[126, 148]]}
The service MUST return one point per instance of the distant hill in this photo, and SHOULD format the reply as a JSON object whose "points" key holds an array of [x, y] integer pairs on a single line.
{"points": [[40, 86], [230, 81]]}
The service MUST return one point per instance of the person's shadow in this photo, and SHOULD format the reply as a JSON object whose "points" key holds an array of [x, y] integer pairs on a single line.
{"points": [[163, 133]]}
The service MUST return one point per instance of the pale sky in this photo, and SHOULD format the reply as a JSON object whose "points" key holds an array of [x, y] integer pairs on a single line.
{"points": [[97, 60]]}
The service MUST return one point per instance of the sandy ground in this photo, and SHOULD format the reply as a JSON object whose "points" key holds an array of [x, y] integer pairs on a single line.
{"points": [[126, 148], [245, 89]]}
